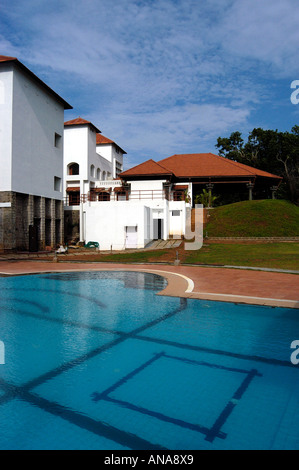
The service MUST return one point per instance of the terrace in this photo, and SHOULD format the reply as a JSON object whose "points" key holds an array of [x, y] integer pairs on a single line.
{"points": [[118, 193]]}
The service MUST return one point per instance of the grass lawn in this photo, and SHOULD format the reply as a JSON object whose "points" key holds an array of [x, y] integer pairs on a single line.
{"points": [[264, 218], [267, 255]]}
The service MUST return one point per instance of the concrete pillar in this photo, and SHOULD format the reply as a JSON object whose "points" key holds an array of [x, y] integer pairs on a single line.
{"points": [[30, 216], [210, 186], [250, 187], [53, 223], [42, 211], [273, 191], [61, 211]]}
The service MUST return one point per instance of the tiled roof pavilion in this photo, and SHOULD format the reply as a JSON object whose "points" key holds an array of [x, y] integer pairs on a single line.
{"points": [[207, 169], [196, 166]]}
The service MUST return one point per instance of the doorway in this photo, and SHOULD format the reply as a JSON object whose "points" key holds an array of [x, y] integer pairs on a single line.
{"points": [[131, 236], [158, 229], [33, 238]]}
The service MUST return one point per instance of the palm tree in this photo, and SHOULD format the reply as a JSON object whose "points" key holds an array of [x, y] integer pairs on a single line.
{"points": [[205, 198]]}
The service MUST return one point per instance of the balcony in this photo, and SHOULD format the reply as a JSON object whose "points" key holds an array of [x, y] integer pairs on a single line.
{"points": [[116, 194]]}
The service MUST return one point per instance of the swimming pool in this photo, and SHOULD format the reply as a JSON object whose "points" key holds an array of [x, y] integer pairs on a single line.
{"points": [[99, 361]]}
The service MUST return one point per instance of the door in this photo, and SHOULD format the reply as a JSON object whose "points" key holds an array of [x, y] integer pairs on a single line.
{"points": [[33, 240], [131, 237], [158, 229]]}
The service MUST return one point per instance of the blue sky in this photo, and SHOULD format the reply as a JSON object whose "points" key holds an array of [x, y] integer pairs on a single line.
{"points": [[166, 76]]}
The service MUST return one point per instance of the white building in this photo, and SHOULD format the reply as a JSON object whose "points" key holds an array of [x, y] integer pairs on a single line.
{"points": [[142, 206], [92, 163], [153, 200], [31, 159], [113, 153]]}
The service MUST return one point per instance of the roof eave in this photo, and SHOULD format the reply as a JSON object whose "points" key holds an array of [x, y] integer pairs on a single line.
{"points": [[15, 61]]}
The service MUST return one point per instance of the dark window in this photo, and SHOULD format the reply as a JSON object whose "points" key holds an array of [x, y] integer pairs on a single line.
{"points": [[73, 169]]}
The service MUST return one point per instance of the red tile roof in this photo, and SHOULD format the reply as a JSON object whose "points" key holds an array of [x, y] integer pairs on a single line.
{"points": [[5, 58], [80, 122], [196, 165], [101, 139], [209, 165], [147, 168]]}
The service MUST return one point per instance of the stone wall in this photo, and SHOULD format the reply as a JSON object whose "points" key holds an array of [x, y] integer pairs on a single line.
{"points": [[24, 210]]}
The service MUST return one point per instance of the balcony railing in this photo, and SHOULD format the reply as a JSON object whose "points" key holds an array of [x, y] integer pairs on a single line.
{"points": [[105, 195]]}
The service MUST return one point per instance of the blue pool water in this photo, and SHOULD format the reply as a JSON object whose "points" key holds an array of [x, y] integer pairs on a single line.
{"points": [[100, 361]]}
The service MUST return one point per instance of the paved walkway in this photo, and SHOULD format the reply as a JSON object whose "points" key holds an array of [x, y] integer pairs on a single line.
{"points": [[223, 284]]}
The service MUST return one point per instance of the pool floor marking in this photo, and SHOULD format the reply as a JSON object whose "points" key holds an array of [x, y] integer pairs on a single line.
{"points": [[99, 396], [24, 393], [127, 439], [210, 433], [231, 405]]}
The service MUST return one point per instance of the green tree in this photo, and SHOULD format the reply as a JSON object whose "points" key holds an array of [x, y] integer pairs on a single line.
{"points": [[205, 198], [268, 150]]}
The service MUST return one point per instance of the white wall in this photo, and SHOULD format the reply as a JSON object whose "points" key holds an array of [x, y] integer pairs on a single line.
{"points": [[105, 150], [36, 117], [144, 185], [177, 223], [108, 153], [106, 222], [80, 147], [75, 150], [6, 81]]}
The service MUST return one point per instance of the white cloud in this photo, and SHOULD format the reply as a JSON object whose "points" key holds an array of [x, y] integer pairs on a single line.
{"points": [[266, 31], [185, 129], [163, 74]]}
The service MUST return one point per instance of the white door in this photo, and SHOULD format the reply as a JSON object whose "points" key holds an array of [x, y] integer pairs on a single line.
{"points": [[131, 237]]}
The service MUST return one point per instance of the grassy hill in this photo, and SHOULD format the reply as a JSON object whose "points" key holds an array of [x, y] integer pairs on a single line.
{"points": [[264, 218]]}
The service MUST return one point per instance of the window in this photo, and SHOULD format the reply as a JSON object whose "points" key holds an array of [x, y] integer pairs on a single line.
{"points": [[92, 171], [57, 140], [73, 169], [176, 213], [57, 183], [98, 174]]}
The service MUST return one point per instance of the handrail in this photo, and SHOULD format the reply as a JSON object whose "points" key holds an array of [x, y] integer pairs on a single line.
{"points": [[125, 195]]}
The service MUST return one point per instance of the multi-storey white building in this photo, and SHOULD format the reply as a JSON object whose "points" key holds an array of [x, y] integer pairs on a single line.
{"points": [[92, 163], [31, 159]]}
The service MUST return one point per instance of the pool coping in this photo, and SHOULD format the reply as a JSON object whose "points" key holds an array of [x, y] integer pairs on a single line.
{"points": [[187, 282]]}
